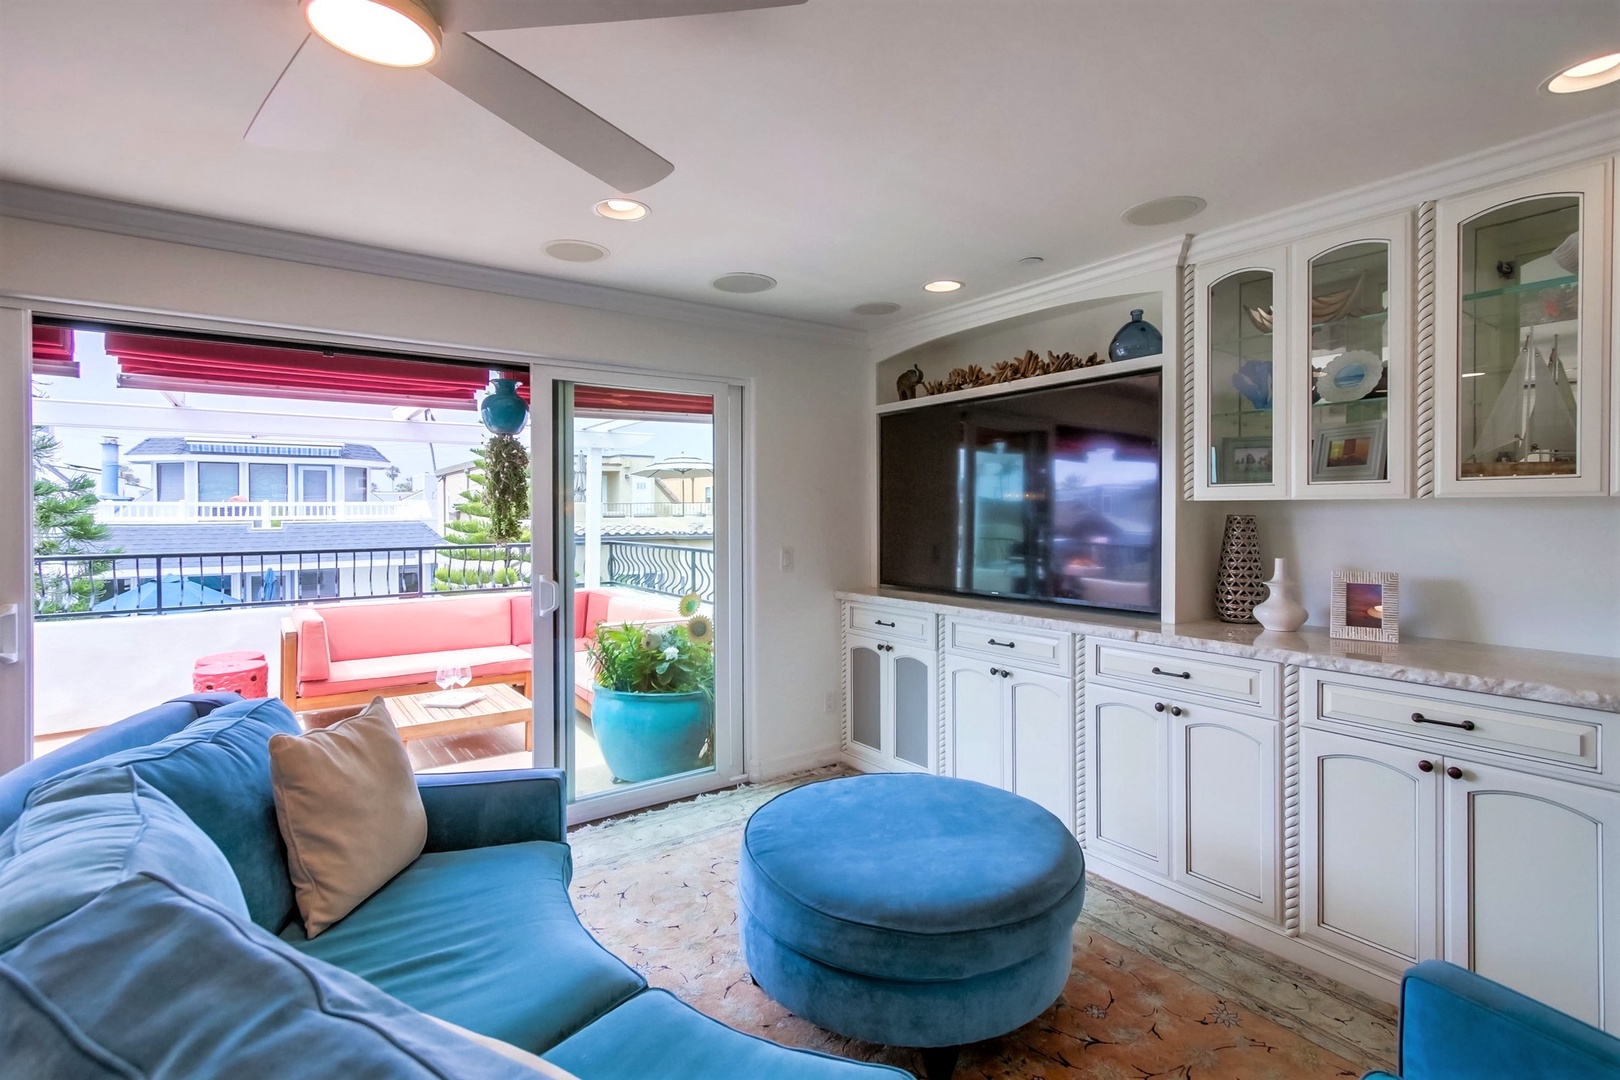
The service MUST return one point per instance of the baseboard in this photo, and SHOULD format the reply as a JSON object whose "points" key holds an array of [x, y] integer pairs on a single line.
{"points": [[793, 763], [1378, 984]]}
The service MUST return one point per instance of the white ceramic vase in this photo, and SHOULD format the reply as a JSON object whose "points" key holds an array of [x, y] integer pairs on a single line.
{"points": [[1281, 611]]}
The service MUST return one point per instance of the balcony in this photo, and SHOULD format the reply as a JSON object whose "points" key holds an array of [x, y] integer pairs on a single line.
{"points": [[651, 510], [266, 515]]}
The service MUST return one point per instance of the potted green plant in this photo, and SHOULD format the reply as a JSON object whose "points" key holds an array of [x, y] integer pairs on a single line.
{"points": [[653, 710]]}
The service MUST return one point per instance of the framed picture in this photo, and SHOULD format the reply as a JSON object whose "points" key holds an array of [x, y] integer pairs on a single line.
{"points": [[1245, 459], [1349, 452], [1366, 605]]}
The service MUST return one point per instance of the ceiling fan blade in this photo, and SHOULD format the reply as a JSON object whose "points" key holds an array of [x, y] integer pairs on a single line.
{"points": [[547, 115], [464, 15], [313, 103]]}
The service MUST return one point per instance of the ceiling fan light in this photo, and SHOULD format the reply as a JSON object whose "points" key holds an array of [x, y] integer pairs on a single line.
{"points": [[394, 33]]}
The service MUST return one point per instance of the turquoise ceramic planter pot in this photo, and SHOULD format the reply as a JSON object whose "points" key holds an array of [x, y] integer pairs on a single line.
{"points": [[647, 736], [502, 411]]}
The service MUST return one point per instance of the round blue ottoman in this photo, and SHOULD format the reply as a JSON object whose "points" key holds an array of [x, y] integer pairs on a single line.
{"points": [[909, 910]]}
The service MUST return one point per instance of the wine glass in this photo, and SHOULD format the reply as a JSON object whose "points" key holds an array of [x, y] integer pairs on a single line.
{"points": [[462, 674], [445, 676]]}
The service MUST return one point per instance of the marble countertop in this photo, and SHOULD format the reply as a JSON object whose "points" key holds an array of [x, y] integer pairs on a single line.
{"points": [[1591, 682]]}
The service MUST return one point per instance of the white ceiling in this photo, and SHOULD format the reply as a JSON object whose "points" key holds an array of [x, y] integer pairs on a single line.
{"points": [[852, 149]]}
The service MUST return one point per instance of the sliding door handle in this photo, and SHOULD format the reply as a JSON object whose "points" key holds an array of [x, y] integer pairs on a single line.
{"points": [[10, 633]]}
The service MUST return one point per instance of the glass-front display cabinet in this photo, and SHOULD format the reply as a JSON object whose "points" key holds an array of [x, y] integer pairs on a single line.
{"points": [[1520, 337], [1348, 362], [1241, 319]]}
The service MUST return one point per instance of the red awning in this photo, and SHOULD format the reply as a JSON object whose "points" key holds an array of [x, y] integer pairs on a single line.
{"points": [[151, 362], [53, 352], [592, 399]]}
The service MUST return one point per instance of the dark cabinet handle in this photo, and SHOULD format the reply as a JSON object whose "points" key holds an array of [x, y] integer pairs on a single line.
{"points": [[880, 622], [995, 671], [1176, 710], [1005, 674], [1419, 718], [1454, 772], [1004, 644], [1158, 706], [1174, 674], [1425, 765]]}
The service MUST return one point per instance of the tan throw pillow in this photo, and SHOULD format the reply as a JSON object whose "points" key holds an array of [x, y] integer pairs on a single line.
{"points": [[347, 804], [508, 1051]]}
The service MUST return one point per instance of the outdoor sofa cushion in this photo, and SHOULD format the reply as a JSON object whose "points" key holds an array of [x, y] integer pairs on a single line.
{"points": [[150, 980], [485, 938], [217, 770], [380, 672], [84, 835], [357, 631]]}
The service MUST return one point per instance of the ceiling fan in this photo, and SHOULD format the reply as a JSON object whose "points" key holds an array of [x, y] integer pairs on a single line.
{"points": [[437, 35]]}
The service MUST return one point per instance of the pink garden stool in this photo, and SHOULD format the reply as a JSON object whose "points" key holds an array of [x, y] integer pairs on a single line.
{"points": [[245, 672]]}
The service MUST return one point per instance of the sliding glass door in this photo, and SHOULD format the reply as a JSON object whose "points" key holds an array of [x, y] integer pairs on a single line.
{"points": [[648, 671]]}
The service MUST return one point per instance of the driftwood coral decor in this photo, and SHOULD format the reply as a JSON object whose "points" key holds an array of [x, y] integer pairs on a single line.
{"points": [[1028, 366]]}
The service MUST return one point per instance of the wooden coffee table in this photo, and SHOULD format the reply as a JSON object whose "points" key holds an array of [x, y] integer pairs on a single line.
{"points": [[499, 706]]}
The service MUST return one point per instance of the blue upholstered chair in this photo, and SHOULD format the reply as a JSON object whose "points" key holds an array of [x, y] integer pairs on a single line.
{"points": [[1456, 1025]]}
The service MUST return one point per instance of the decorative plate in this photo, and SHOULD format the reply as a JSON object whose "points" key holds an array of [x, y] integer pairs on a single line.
{"points": [[1350, 376]]}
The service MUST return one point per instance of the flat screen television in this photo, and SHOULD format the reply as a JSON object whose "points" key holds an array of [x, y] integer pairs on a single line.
{"points": [[1049, 495]]}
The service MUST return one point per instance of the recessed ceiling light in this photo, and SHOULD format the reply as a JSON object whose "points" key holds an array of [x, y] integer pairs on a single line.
{"points": [[622, 209], [942, 285], [1164, 211], [1600, 71], [395, 33], [576, 250], [744, 283], [1031, 260], [880, 307]]}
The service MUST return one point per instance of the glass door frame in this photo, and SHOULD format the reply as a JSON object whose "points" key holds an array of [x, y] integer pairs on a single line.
{"points": [[552, 522], [16, 538]]}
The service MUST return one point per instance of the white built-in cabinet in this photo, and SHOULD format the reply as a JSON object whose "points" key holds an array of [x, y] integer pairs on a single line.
{"points": [[891, 707]]}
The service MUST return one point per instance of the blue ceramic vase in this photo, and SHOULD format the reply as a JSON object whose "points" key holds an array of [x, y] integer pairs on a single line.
{"points": [[503, 412], [1136, 338], [648, 736]]}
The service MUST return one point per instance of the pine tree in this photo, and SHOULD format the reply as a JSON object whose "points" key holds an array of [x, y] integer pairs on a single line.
{"points": [[64, 524], [476, 525]]}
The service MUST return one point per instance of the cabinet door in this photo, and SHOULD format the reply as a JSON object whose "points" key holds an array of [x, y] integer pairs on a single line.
{"points": [[911, 699], [864, 709], [1040, 733], [1241, 315], [1224, 806], [1127, 776], [975, 738], [1369, 849], [1531, 866], [1349, 419], [1520, 337]]}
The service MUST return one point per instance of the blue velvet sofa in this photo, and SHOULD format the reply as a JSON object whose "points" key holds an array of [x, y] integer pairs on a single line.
{"points": [[148, 929], [1456, 1025]]}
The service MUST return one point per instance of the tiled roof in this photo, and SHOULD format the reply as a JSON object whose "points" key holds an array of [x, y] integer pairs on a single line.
{"points": [[243, 539], [176, 445]]}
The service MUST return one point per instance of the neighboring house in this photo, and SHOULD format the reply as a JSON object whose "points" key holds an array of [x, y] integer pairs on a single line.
{"points": [[189, 470]]}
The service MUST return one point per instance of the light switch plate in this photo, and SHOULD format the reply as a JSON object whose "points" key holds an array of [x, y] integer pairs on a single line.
{"points": [[785, 557]]}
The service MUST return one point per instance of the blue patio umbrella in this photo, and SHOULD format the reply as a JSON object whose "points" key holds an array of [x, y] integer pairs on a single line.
{"points": [[177, 593]]}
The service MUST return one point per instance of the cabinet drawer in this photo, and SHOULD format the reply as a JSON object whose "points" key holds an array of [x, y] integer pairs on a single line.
{"points": [[1039, 650], [890, 624], [1176, 671], [1544, 733]]}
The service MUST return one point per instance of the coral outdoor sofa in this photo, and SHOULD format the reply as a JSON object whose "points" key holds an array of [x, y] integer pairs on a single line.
{"points": [[148, 928], [348, 653]]}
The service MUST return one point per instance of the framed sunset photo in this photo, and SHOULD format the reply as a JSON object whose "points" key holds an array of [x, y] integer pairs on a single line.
{"points": [[1365, 605]]}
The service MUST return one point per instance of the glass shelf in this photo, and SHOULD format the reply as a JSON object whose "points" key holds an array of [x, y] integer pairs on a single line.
{"points": [[1521, 307], [1522, 287]]}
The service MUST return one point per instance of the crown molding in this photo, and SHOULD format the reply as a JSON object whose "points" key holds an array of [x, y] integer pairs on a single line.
{"points": [[56, 207], [1068, 287], [1594, 137]]}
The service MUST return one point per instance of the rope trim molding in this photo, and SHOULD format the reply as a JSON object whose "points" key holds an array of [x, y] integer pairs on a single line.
{"points": [[1425, 350]]}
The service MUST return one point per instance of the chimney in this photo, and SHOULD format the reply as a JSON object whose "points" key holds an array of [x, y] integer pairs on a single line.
{"points": [[109, 468]]}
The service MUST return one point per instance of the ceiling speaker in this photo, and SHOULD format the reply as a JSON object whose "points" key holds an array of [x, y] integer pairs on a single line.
{"points": [[744, 283], [576, 250], [1164, 211]]}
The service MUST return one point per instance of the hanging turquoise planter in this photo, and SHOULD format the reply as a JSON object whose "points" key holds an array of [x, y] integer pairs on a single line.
{"points": [[503, 411]]}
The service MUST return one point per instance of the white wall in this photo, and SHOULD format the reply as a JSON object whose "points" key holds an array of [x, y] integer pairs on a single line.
{"points": [[1533, 573], [809, 410]]}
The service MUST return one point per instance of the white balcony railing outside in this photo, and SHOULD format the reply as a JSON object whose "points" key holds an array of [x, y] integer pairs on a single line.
{"points": [[262, 514]]}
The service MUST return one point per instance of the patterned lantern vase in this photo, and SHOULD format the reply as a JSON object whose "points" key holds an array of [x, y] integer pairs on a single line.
{"points": [[1238, 581]]}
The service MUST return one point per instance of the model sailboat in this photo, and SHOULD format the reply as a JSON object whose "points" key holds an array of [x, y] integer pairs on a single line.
{"points": [[1534, 415]]}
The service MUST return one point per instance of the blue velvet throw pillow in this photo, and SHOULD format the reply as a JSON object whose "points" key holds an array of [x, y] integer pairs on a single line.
{"points": [[87, 834], [217, 770], [150, 980]]}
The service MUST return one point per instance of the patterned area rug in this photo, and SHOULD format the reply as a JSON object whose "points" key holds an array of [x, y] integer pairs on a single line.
{"points": [[1152, 993]]}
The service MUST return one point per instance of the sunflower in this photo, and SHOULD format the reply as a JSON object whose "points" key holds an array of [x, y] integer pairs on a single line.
{"points": [[690, 604], [700, 628]]}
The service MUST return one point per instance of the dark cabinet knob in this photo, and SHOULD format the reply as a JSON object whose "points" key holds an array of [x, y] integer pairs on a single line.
{"points": [[1005, 674], [1454, 772], [995, 671], [1175, 710], [1158, 706], [1425, 765]]}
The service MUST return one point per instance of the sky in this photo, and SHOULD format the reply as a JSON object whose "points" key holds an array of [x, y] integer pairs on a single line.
{"points": [[98, 382]]}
